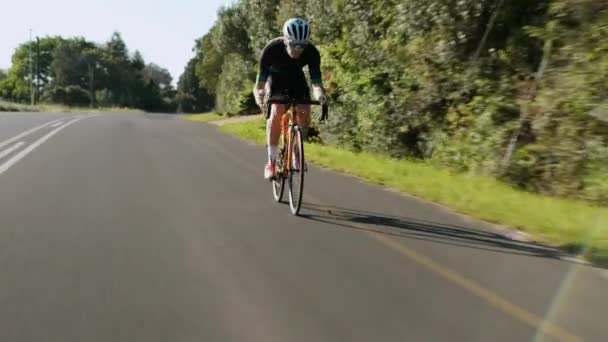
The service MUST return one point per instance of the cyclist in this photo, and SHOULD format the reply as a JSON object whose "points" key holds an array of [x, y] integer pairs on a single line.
{"points": [[280, 72]]}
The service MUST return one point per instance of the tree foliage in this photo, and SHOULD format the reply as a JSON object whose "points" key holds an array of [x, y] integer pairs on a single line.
{"points": [[512, 89], [75, 71], [191, 96]]}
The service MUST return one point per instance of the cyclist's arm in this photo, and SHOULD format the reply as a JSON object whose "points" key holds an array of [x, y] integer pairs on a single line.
{"points": [[263, 71], [314, 68]]}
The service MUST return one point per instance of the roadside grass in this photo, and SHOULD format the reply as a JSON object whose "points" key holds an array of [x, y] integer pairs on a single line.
{"points": [[16, 107], [575, 226], [204, 117], [6, 106]]}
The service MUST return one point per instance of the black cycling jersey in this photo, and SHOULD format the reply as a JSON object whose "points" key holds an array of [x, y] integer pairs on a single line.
{"points": [[276, 63]]}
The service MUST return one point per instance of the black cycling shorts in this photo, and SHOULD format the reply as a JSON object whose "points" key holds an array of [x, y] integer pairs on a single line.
{"points": [[295, 86]]}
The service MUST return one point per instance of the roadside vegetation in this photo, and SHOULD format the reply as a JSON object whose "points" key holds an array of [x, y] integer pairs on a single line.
{"points": [[496, 108], [574, 226]]}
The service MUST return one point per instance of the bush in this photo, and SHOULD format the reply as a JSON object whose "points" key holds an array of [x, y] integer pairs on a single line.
{"points": [[505, 90], [70, 95], [235, 86]]}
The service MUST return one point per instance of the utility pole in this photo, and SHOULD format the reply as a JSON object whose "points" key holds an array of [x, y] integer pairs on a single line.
{"points": [[31, 73], [91, 83], [37, 95]]}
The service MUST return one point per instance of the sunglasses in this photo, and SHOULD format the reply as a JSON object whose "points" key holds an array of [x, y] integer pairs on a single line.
{"points": [[294, 45]]}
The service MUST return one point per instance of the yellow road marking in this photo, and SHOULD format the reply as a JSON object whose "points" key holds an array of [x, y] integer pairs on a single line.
{"points": [[455, 278], [492, 298], [469, 285]]}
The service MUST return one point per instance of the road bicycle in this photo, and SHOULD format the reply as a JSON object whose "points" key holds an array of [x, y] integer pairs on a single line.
{"points": [[291, 148]]}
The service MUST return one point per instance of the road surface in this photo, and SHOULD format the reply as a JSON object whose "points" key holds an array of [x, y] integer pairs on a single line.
{"points": [[146, 227]]}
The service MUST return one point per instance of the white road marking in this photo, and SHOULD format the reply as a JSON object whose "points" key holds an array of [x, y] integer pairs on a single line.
{"points": [[11, 149], [16, 158], [30, 131], [56, 124]]}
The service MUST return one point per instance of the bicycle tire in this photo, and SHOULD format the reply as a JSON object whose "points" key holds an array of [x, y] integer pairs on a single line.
{"points": [[278, 183], [295, 200]]}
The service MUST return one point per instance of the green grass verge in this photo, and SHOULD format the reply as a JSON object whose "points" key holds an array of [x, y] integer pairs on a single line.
{"points": [[54, 108], [16, 107], [105, 110], [573, 225], [204, 117]]}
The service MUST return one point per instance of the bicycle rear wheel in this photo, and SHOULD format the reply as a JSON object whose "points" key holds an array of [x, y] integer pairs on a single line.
{"points": [[296, 174]]}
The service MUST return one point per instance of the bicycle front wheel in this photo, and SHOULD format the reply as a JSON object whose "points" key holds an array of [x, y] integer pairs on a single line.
{"points": [[296, 174], [278, 183]]}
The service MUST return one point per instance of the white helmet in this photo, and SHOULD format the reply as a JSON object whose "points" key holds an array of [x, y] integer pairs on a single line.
{"points": [[296, 30]]}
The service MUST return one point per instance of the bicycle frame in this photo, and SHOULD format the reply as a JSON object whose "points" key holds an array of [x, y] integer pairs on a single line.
{"points": [[289, 131], [285, 129], [292, 103]]}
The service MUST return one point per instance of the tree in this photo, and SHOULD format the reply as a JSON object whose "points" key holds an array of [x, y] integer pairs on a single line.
{"points": [[3, 77], [76, 71], [191, 97], [209, 66], [69, 65], [261, 26], [231, 35], [93, 59], [73, 68], [119, 81], [162, 80], [160, 75], [464, 84], [17, 85], [45, 58]]}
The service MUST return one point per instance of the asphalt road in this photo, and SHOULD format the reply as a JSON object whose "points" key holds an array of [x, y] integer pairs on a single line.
{"points": [[146, 227]]}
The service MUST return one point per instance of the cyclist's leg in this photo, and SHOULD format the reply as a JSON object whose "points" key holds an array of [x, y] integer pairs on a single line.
{"points": [[273, 132], [302, 118], [301, 91], [285, 126]]}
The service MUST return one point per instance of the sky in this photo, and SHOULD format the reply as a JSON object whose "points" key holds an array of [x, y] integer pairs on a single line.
{"points": [[162, 30]]}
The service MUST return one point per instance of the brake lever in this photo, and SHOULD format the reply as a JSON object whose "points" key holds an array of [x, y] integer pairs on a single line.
{"points": [[324, 112]]}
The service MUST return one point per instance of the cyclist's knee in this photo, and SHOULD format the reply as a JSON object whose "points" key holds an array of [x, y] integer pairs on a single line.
{"points": [[274, 122], [277, 111]]}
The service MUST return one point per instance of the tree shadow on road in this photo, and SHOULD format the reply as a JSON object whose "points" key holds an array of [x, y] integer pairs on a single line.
{"points": [[427, 231]]}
